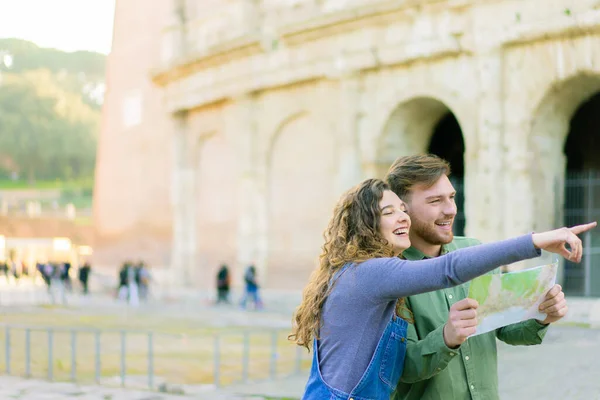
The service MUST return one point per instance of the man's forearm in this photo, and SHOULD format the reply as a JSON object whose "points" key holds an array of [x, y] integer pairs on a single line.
{"points": [[526, 333]]}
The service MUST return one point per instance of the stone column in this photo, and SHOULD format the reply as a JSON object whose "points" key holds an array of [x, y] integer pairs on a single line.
{"points": [[347, 118], [184, 249], [241, 129], [483, 157], [175, 44]]}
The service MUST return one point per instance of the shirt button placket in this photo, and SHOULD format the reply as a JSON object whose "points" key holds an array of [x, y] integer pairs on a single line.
{"points": [[449, 298], [465, 352]]}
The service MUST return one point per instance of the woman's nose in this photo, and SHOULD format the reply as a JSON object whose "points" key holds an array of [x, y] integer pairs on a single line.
{"points": [[403, 216]]}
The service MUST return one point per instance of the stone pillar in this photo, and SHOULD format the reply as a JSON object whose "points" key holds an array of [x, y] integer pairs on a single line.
{"points": [[547, 134], [184, 250], [176, 46], [349, 171], [484, 154], [241, 129]]}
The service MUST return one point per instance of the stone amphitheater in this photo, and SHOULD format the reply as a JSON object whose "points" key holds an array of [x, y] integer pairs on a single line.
{"points": [[232, 126]]}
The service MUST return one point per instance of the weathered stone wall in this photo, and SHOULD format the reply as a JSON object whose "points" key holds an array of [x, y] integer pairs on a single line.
{"points": [[272, 120], [132, 209]]}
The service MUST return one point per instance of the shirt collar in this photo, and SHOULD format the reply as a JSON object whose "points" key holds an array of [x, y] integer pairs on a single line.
{"points": [[414, 254]]}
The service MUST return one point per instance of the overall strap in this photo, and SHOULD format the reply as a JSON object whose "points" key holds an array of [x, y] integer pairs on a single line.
{"points": [[338, 274]]}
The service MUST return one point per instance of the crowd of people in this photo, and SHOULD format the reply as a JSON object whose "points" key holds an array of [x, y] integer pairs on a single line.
{"points": [[58, 280], [133, 279]]}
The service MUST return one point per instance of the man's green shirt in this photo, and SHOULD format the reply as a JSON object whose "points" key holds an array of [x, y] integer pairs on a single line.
{"points": [[434, 371]]}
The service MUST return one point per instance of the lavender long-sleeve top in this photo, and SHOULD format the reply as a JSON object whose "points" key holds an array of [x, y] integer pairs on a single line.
{"points": [[363, 299]]}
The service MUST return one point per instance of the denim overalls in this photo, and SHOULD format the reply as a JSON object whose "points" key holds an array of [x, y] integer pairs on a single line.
{"points": [[382, 374]]}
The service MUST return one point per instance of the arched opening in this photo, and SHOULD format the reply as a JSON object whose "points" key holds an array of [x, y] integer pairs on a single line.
{"points": [[447, 142], [582, 194], [563, 144], [425, 125]]}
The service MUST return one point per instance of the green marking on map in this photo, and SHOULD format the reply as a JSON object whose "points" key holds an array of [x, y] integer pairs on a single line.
{"points": [[479, 288], [510, 297], [522, 284]]}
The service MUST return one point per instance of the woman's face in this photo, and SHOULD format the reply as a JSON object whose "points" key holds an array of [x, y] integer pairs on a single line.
{"points": [[394, 223]]}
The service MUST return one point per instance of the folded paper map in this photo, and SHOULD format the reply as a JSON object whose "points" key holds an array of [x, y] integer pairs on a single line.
{"points": [[511, 297]]}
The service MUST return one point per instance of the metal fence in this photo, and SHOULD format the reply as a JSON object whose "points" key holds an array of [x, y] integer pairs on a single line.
{"points": [[143, 359], [582, 204], [37, 209], [460, 219]]}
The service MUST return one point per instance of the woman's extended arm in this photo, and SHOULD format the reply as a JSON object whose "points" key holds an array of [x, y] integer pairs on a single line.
{"points": [[389, 278]]}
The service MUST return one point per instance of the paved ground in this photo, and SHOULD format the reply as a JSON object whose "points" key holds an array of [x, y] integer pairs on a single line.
{"points": [[567, 366]]}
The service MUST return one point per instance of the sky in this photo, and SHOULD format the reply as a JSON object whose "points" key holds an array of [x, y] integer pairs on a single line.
{"points": [[67, 25]]}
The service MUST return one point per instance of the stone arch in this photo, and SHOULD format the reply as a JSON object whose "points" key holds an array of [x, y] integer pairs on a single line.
{"points": [[392, 101], [276, 133], [301, 170], [558, 137], [217, 209], [421, 125], [548, 134]]}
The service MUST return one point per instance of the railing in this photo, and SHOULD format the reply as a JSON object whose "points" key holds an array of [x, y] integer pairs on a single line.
{"points": [[35, 210], [143, 359], [460, 220], [582, 204]]}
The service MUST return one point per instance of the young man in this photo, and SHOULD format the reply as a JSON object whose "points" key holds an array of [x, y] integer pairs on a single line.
{"points": [[440, 363]]}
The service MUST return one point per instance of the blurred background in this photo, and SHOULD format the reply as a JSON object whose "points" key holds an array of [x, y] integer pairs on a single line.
{"points": [[199, 133], [144, 148]]}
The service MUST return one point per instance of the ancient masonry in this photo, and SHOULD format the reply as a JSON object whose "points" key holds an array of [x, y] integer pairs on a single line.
{"points": [[231, 127]]}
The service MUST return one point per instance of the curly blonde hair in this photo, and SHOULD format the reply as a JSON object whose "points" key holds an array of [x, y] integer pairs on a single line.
{"points": [[352, 236]]}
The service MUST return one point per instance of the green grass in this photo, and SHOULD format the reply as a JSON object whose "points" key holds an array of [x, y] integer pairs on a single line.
{"points": [[83, 220], [79, 192], [41, 185], [575, 324]]}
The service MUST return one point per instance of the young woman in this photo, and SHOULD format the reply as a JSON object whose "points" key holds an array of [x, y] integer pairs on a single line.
{"points": [[349, 312]]}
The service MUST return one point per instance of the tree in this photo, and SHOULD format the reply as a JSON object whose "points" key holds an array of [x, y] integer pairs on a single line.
{"points": [[49, 113], [47, 133]]}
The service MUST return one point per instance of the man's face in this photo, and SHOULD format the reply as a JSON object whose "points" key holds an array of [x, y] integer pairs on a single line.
{"points": [[432, 211]]}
